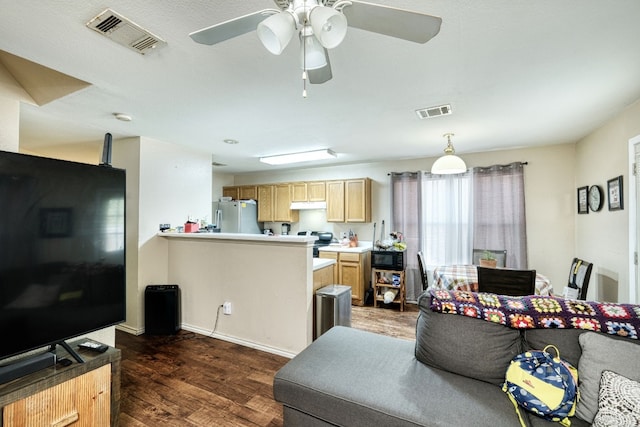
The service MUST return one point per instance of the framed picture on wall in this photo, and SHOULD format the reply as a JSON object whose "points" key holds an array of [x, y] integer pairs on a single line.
{"points": [[583, 206], [614, 191]]}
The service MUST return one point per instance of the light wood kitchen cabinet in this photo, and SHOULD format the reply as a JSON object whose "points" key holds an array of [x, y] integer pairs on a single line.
{"points": [[316, 191], [241, 192], [354, 269], [248, 192], [274, 202], [312, 191], [299, 192], [349, 200], [335, 201], [357, 196], [324, 277], [266, 210], [230, 192], [282, 204]]}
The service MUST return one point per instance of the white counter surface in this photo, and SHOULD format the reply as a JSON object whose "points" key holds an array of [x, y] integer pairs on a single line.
{"points": [[319, 263], [243, 236], [361, 248]]}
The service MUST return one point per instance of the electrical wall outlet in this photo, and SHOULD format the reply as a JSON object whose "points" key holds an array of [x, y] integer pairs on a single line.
{"points": [[226, 307]]}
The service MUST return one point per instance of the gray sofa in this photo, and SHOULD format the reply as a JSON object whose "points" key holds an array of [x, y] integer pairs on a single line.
{"points": [[451, 375]]}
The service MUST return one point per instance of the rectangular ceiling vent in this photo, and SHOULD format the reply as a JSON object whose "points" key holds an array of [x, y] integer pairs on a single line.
{"points": [[125, 32], [431, 112]]}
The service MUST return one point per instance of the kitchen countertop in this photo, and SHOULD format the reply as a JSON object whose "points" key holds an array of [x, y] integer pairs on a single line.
{"points": [[243, 236], [319, 263], [361, 248]]}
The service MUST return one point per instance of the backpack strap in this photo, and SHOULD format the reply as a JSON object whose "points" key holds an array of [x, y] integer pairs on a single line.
{"points": [[515, 405]]}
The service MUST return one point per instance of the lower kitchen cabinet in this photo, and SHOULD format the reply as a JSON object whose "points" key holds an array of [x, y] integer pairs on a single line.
{"points": [[324, 277], [82, 394], [353, 269]]}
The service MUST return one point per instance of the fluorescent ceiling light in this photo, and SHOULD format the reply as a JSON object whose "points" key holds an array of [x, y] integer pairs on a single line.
{"points": [[306, 156]]}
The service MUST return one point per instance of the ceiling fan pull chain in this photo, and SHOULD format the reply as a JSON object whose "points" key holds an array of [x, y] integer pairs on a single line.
{"points": [[304, 59]]}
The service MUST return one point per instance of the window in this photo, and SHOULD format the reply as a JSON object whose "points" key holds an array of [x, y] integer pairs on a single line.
{"points": [[447, 216]]}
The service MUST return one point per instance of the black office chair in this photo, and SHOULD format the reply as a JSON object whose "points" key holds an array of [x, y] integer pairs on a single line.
{"points": [[505, 281], [579, 276], [423, 271], [499, 254]]}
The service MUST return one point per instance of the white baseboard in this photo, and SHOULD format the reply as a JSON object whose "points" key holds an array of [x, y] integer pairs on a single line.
{"points": [[238, 341]]}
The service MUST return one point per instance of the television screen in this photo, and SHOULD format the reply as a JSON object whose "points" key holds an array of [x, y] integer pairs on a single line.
{"points": [[62, 257]]}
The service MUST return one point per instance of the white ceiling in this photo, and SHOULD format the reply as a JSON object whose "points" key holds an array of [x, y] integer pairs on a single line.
{"points": [[515, 72]]}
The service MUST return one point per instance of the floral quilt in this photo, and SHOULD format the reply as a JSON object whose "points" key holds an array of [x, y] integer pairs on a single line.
{"points": [[536, 311]]}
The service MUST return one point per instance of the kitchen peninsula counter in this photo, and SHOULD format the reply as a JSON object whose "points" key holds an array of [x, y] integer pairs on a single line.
{"points": [[275, 238], [267, 279]]}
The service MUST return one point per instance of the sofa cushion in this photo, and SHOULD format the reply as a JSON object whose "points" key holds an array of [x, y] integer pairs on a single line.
{"points": [[599, 353], [618, 401], [357, 378], [565, 340], [463, 345]]}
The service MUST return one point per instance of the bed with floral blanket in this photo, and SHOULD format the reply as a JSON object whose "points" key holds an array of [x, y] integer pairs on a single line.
{"points": [[534, 311]]}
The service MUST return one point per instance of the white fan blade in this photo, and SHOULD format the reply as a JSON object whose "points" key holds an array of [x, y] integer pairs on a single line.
{"points": [[233, 28], [390, 21], [321, 75]]}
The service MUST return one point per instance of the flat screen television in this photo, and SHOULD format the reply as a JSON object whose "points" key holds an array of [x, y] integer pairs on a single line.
{"points": [[62, 250]]}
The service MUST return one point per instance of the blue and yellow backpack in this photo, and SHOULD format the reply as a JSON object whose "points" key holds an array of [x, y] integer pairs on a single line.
{"points": [[543, 385]]}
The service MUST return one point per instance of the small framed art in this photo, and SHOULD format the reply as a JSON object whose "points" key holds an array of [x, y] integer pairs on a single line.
{"points": [[583, 205], [614, 192]]}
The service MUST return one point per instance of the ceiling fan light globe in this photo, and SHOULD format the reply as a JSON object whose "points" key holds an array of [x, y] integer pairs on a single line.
{"points": [[329, 25], [448, 164], [276, 31], [312, 55]]}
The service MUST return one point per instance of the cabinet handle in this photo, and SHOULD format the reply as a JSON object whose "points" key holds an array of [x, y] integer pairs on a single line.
{"points": [[68, 420]]}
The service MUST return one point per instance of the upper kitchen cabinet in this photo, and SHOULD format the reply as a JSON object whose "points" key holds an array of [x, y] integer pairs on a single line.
{"points": [[266, 211], [248, 192], [230, 192], [274, 202], [283, 194], [242, 192], [349, 200], [357, 197], [313, 191], [335, 201]]}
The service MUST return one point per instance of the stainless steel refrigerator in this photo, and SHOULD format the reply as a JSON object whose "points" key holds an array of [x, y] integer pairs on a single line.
{"points": [[237, 216]]}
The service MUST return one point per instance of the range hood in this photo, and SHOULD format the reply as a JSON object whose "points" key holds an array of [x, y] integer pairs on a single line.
{"points": [[298, 206]]}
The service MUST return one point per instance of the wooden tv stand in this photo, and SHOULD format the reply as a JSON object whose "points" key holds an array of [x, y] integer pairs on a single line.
{"points": [[87, 393]]}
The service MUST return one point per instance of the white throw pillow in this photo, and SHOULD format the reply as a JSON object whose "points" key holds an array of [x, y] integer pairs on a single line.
{"points": [[618, 402]]}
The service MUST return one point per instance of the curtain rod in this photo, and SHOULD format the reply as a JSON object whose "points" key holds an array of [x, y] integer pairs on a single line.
{"points": [[403, 173]]}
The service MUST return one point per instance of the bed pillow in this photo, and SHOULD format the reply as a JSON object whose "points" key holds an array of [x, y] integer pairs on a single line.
{"points": [[600, 353], [618, 402]]}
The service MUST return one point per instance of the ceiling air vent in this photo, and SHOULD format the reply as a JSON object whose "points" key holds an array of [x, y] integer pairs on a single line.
{"points": [[125, 32], [431, 112]]}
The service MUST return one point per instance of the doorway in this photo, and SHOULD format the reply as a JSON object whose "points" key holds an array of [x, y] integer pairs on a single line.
{"points": [[634, 219]]}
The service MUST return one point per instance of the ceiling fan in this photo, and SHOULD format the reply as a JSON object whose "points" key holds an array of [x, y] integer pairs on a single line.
{"points": [[321, 25]]}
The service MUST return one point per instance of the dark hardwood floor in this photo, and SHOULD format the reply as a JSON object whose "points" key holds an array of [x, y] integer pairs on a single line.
{"points": [[194, 380]]}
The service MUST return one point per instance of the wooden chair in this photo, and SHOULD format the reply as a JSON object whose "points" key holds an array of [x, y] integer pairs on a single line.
{"points": [[505, 281], [500, 256], [423, 271], [579, 276]]}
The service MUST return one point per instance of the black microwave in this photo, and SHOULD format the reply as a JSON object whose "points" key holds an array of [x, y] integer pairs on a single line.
{"points": [[389, 260]]}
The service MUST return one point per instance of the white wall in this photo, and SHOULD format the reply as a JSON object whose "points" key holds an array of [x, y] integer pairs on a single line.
{"points": [[166, 183], [9, 124], [549, 188], [603, 237]]}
